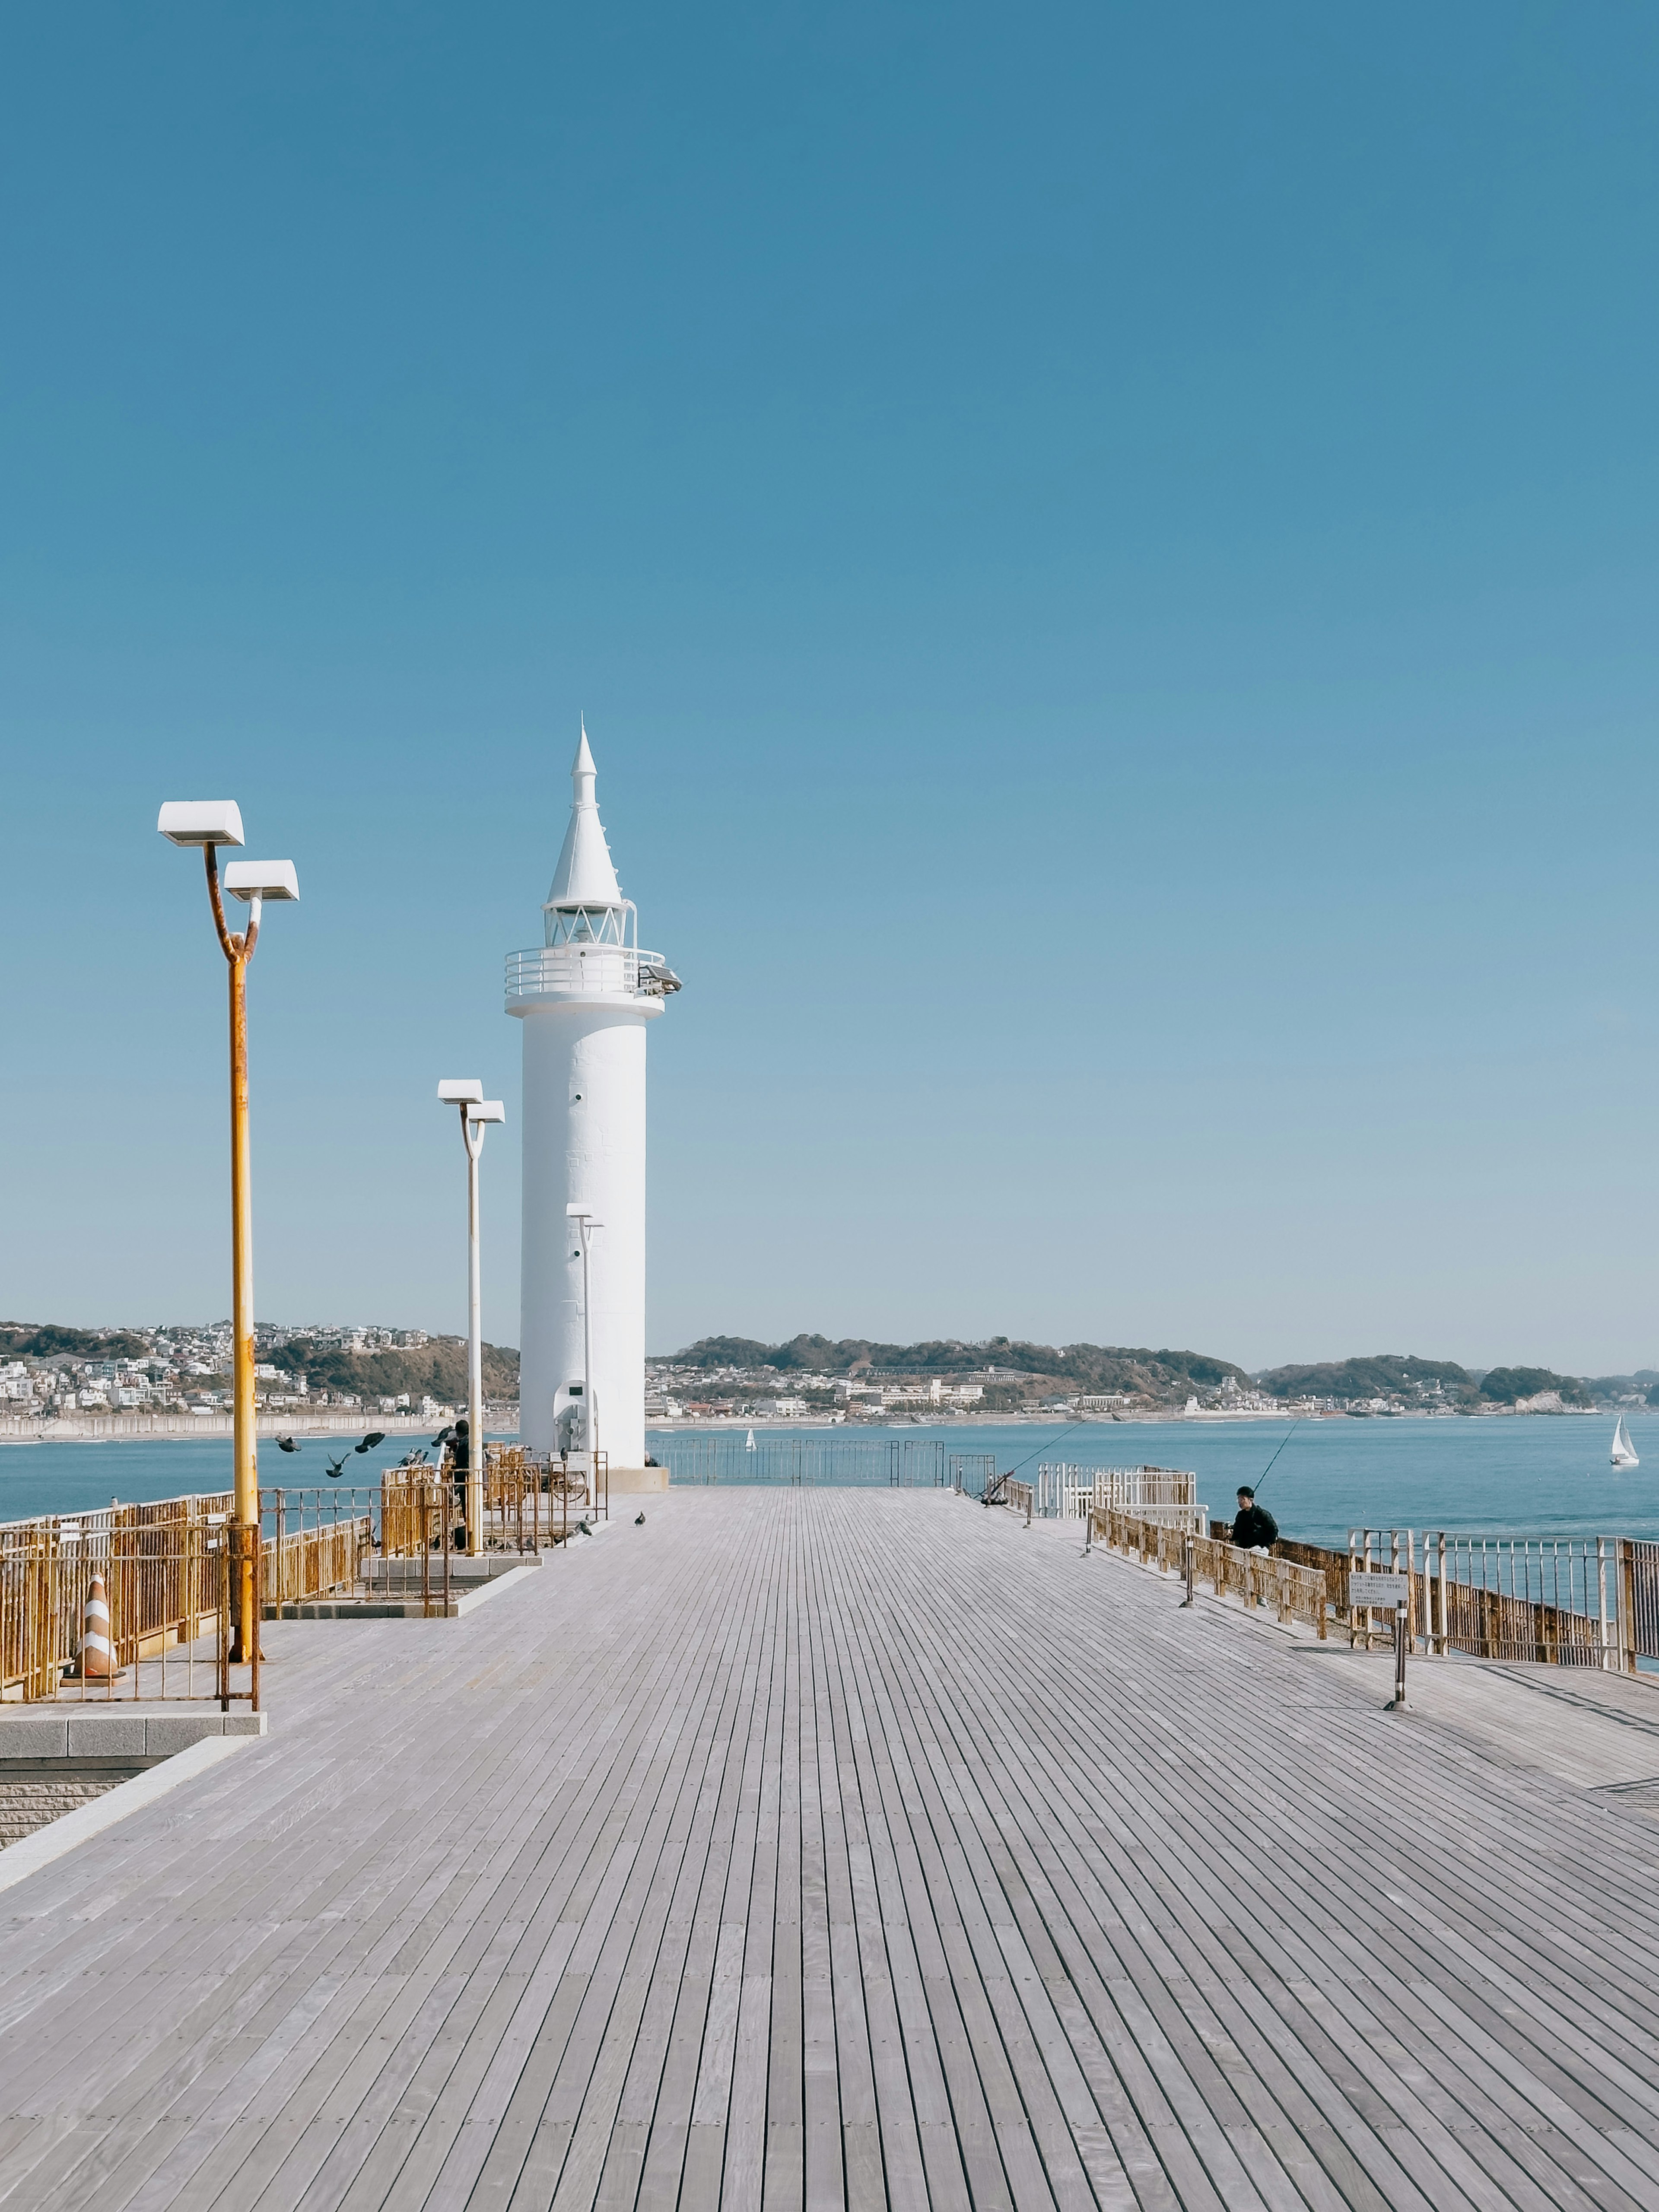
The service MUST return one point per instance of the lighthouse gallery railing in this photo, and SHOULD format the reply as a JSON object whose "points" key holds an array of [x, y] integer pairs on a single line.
{"points": [[563, 971]]}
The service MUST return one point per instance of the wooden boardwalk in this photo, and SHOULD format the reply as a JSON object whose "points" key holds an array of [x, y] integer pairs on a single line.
{"points": [[829, 1847]]}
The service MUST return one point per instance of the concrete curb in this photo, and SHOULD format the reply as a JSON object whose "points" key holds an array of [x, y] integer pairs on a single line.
{"points": [[19, 1860], [111, 1730], [461, 1602]]}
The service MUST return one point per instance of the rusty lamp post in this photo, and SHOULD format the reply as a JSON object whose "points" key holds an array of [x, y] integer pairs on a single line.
{"points": [[210, 824], [477, 1113]]}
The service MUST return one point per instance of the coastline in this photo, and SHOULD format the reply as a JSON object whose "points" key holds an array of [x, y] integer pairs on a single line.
{"points": [[151, 1428], [678, 1425]]}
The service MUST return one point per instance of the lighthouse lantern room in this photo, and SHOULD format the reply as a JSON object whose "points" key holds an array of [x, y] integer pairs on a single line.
{"points": [[585, 995]]}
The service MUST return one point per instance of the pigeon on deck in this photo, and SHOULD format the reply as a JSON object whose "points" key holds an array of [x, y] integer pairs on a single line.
{"points": [[639, 1519]]}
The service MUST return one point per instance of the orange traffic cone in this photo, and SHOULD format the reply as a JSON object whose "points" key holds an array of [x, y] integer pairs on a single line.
{"points": [[96, 1661]]}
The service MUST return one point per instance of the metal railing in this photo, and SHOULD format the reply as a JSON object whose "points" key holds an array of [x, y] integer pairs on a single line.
{"points": [[894, 1462], [307, 1557], [565, 971], [1168, 1494], [166, 1569], [1294, 1593], [534, 1498]]}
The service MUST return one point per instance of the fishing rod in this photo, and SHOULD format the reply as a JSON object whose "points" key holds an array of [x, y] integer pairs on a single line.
{"points": [[997, 1480], [1268, 1470], [1084, 1423]]}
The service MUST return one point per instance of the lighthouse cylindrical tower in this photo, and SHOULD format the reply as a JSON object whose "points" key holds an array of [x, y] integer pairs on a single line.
{"points": [[585, 996]]}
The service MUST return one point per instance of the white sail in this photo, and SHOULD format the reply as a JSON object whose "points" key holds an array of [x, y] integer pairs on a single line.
{"points": [[749, 1441], [1624, 1452]]}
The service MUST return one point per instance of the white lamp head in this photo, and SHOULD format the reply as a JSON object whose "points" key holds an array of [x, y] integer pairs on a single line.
{"points": [[262, 879], [454, 1090], [491, 1111], [200, 821]]}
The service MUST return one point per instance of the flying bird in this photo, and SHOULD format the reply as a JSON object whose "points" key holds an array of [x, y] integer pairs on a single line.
{"points": [[374, 1436], [335, 1466], [286, 1444]]}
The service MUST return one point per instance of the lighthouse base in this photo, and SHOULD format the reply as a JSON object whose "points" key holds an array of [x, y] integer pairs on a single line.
{"points": [[637, 1481]]}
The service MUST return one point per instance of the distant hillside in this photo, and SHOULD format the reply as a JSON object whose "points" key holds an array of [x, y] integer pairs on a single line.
{"points": [[1502, 1386], [1383, 1375], [24, 1340], [1093, 1367], [437, 1367]]}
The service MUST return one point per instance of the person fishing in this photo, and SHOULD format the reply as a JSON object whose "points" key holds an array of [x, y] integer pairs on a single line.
{"points": [[1254, 1529]]}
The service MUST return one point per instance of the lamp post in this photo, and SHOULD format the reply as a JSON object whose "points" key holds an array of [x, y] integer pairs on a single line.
{"points": [[211, 823], [586, 1225], [478, 1112]]}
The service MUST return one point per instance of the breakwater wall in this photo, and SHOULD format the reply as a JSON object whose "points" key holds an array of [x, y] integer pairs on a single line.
{"points": [[114, 1428]]}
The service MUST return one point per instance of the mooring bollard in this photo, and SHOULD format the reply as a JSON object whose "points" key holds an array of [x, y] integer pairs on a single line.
{"points": [[1188, 1567]]}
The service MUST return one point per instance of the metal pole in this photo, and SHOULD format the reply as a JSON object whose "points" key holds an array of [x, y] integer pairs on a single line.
{"points": [[238, 951], [244, 1449], [474, 1349], [590, 1423], [1188, 1567], [1402, 1618]]}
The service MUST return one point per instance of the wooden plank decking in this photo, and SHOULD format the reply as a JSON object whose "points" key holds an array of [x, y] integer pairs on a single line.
{"points": [[824, 1848]]}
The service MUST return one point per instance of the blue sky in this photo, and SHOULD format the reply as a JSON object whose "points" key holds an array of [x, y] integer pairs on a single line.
{"points": [[1108, 555]]}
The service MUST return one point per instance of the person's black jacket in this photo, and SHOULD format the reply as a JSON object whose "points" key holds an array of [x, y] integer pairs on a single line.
{"points": [[1253, 1526]]}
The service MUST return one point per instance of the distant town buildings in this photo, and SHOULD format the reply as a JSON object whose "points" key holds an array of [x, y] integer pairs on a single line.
{"points": [[188, 1371]]}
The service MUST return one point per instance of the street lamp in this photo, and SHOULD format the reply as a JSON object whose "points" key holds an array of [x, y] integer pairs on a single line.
{"points": [[211, 823], [478, 1112], [586, 1225]]}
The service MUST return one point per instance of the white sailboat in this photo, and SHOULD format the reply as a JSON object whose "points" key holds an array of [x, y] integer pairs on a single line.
{"points": [[749, 1441], [1624, 1451]]}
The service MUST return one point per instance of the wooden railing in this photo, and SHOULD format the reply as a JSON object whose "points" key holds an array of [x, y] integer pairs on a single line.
{"points": [[1022, 1495], [1550, 1601], [1169, 1494], [1293, 1592]]}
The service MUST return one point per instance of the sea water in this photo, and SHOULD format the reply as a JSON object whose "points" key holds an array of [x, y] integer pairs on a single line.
{"points": [[75, 1478], [1538, 1475]]}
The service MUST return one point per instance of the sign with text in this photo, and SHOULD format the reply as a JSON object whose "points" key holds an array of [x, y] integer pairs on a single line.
{"points": [[1375, 1589]]}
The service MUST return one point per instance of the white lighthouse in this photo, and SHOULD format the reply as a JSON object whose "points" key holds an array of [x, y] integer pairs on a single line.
{"points": [[585, 996]]}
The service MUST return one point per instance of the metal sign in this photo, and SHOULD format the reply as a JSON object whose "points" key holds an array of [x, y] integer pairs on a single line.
{"points": [[1375, 1588]]}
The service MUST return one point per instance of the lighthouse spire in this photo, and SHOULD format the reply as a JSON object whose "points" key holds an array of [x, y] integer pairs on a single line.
{"points": [[585, 875]]}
